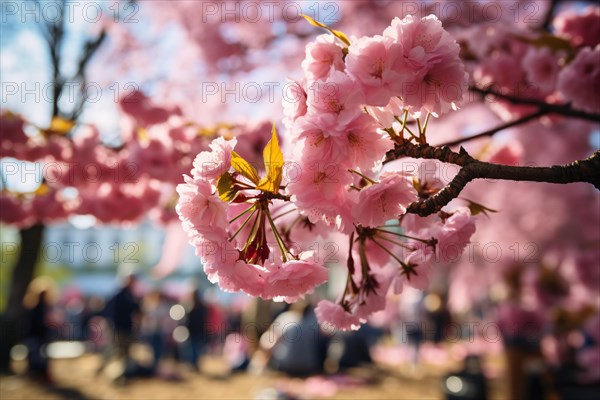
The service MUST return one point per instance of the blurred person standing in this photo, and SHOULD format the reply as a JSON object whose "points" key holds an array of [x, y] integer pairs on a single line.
{"points": [[37, 337], [196, 325], [521, 324], [94, 323], [41, 324], [122, 310], [155, 313]]}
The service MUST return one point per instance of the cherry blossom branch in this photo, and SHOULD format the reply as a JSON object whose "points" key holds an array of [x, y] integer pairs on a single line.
{"points": [[562, 109], [549, 15], [54, 38], [587, 170], [493, 131], [441, 153], [90, 48]]}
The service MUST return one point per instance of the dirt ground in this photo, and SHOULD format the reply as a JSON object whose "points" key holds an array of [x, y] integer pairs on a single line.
{"points": [[76, 379]]}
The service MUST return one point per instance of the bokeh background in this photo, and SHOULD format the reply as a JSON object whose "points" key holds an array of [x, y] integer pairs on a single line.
{"points": [[519, 307]]}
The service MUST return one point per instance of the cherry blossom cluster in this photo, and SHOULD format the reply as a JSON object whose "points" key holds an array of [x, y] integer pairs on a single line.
{"points": [[558, 68], [80, 175], [410, 70], [351, 107], [223, 201]]}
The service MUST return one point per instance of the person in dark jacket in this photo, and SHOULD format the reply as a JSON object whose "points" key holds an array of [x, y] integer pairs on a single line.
{"points": [[196, 324], [122, 311], [38, 338]]}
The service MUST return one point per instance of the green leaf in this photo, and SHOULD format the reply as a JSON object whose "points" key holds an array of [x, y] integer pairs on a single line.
{"points": [[273, 158], [226, 188], [338, 34], [243, 167]]}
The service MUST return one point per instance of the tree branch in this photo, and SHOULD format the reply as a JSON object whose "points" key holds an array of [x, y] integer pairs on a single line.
{"points": [[579, 171], [549, 15], [491, 132], [441, 153], [55, 40], [90, 48], [562, 109]]}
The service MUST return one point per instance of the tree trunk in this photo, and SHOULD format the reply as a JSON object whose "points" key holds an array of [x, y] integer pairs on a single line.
{"points": [[12, 324]]}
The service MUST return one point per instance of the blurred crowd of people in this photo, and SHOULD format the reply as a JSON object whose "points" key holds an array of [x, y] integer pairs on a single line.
{"points": [[254, 335], [151, 333], [180, 329]]}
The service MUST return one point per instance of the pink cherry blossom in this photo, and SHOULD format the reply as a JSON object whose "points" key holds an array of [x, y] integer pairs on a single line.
{"points": [[15, 211], [209, 165], [214, 250], [142, 109], [432, 75], [374, 301], [198, 207], [370, 62], [385, 200], [86, 142], [454, 235], [334, 315], [419, 266], [542, 67], [337, 119], [508, 154], [578, 81], [501, 69], [12, 128], [294, 102], [240, 276], [13, 140], [367, 145], [320, 141], [222, 264], [123, 202], [300, 233], [386, 116], [439, 90], [417, 224], [294, 278], [323, 56], [580, 29], [338, 96], [59, 148], [378, 257], [320, 190], [51, 206], [155, 157]]}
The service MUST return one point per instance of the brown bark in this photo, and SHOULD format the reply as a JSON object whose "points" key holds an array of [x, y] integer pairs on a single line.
{"points": [[587, 170], [13, 320]]}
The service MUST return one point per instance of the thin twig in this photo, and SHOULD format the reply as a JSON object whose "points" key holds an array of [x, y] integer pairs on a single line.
{"points": [[562, 109], [497, 129]]}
